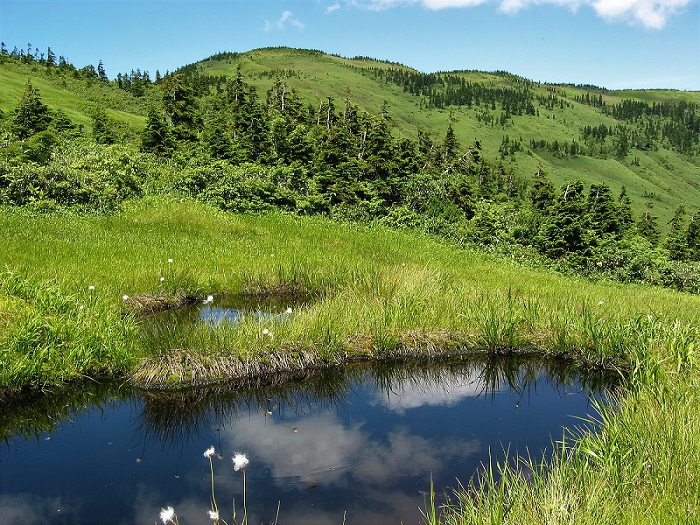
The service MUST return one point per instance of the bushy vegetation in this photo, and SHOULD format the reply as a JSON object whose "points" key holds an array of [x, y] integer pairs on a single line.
{"points": [[217, 141]]}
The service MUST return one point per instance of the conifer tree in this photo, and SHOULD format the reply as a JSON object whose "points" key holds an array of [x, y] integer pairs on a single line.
{"points": [[647, 226], [542, 194], [676, 242], [450, 146], [564, 230], [102, 130], [50, 58], [157, 135], [603, 213], [625, 210], [692, 236], [101, 73], [31, 116]]}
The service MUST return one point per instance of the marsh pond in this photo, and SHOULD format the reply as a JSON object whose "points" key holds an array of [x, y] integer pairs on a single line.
{"points": [[353, 445]]}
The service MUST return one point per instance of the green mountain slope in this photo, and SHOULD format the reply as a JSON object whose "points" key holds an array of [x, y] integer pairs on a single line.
{"points": [[544, 135], [76, 97], [660, 176]]}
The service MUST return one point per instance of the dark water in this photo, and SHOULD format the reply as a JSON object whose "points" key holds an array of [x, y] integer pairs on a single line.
{"points": [[357, 445]]}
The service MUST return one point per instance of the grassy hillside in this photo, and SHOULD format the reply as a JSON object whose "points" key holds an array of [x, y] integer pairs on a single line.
{"points": [[74, 285], [657, 175], [76, 97], [662, 177]]}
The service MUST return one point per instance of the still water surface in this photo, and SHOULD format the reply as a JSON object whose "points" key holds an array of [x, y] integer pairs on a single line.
{"points": [[357, 445]]}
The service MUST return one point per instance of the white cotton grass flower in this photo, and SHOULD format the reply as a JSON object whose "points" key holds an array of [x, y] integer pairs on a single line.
{"points": [[213, 515], [600, 303], [209, 452], [289, 310], [170, 261], [125, 297], [91, 287], [210, 298], [240, 461], [162, 279], [266, 332], [167, 514]]}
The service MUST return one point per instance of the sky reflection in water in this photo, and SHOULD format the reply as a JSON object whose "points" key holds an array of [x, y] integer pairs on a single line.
{"points": [[361, 442]]}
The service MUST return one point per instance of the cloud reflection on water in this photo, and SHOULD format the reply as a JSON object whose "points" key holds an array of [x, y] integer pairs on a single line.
{"points": [[407, 393]]}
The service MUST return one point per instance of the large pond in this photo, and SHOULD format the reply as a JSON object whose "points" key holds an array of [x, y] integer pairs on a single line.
{"points": [[357, 445]]}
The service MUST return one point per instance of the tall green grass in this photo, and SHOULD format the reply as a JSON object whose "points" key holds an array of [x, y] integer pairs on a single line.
{"points": [[380, 293], [641, 464], [51, 337]]}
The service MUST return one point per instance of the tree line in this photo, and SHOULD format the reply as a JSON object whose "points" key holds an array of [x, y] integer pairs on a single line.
{"points": [[245, 152]]}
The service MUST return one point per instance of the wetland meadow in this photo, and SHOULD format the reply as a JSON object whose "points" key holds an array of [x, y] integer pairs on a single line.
{"points": [[94, 297]]}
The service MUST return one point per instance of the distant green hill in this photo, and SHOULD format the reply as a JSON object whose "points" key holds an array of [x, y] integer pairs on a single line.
{"points": [[660, 175], [522, 123], [66, 91]]}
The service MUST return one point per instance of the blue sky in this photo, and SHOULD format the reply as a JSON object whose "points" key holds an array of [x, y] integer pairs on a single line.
{"points": [[611, 43]]}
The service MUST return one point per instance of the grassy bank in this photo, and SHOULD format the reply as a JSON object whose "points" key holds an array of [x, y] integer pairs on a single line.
{"points": [[74, 286], [379, 292], [643, 466]]}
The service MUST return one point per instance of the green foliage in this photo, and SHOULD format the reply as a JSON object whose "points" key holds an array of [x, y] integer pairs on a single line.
{"points": [[56, 337], [563, 231], [647, 226], [211, 138], [31, 115], [157, 136], [676, 242], [102, 130], [92, 178]]}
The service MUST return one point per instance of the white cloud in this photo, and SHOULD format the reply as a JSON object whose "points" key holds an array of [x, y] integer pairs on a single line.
{"points": [[379, 5], [319, 448], [287, 18], [332, 8], [443, 4], [652, 14]]}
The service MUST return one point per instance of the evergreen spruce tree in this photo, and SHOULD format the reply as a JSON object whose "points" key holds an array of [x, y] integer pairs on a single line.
{"points": [[692, 236], [542, 193], [102, 130], [676, 240], [101, 73], [157, 135], [647, 225], [31, 116], [564, 230], [603, 212], [179, 107], [625, 210], [50, 58], [450, 147]]}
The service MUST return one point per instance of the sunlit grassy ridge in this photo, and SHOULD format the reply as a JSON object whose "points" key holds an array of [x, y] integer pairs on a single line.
{"points": [[78, 99], [663, 177]]}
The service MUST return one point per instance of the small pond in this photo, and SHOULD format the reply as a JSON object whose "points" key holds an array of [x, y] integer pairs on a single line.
{"points": [[357, 445]]}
